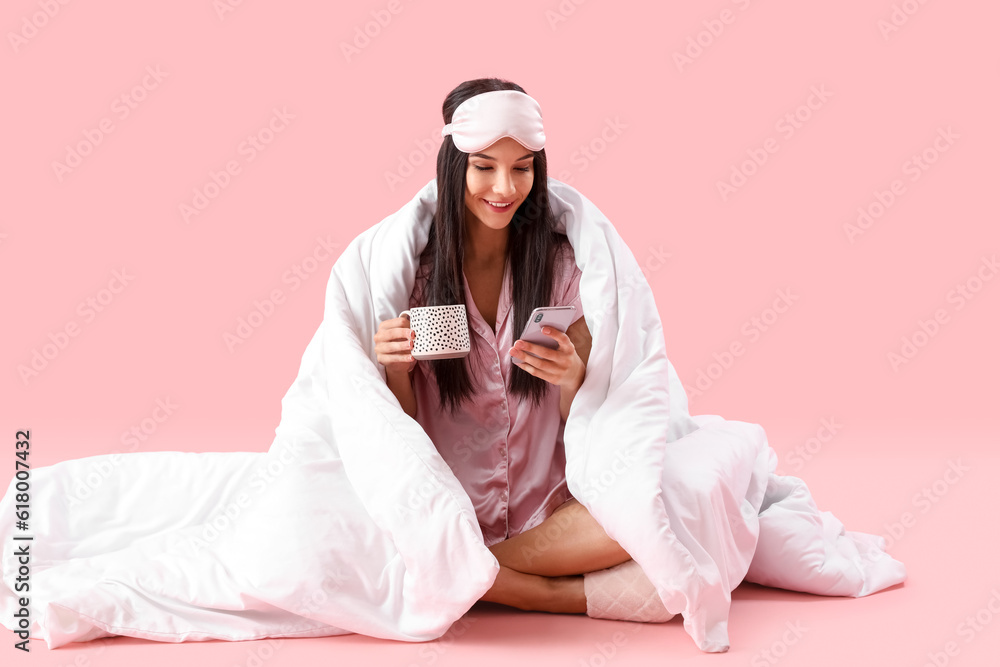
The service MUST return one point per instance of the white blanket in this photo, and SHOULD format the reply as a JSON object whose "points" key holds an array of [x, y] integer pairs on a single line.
{"points": [[353, 523]]}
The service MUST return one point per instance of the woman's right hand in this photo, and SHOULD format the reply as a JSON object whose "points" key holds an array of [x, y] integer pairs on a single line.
{"points": [[393, 344]]}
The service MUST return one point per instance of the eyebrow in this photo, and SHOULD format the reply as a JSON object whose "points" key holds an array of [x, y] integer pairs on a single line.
{"points": [[484, 155]]}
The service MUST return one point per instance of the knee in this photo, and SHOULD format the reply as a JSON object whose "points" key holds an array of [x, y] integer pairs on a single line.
{"points": [[585, 523]]}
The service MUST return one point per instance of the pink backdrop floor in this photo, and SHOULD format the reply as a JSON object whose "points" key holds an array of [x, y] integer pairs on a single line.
{"points": [[947, 537]]}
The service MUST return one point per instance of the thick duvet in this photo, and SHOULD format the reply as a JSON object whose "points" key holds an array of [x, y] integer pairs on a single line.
{"points": [[352, 522]]}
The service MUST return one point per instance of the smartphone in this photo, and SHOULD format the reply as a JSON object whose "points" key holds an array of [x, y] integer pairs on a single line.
{"points": [[557, 317]]}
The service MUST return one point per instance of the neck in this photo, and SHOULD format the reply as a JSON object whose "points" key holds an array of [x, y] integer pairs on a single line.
{"points": [[483, 245]]}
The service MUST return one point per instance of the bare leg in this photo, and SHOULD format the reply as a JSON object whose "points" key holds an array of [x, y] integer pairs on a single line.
{"points": [[531, 592], [569, 542]]}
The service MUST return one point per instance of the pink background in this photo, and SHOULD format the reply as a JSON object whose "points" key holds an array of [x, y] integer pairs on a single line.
{"points": [[661, 136]]}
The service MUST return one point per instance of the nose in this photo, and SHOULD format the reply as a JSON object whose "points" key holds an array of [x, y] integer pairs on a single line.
{"points": [[504, 185]]}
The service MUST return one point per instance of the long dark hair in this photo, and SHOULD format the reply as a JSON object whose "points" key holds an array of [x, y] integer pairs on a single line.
{"points": [[531, 248]]}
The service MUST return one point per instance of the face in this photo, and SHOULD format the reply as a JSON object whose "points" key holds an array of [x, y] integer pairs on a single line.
{"points": [[502, 173]]}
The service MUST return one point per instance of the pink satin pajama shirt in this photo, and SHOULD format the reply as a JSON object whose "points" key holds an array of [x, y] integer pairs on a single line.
{"points": [[507, 453]]}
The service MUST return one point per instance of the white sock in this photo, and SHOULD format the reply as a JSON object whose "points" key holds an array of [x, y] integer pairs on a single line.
{"points": [[623, 592]]}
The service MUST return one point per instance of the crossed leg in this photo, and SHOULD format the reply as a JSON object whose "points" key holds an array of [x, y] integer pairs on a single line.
{"points": [[540, 569]]}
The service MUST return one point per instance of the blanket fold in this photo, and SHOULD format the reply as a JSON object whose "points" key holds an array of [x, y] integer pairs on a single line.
{"points": [[352, 522]]}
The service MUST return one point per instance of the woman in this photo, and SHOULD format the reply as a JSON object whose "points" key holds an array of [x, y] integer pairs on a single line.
{"points": [[493, 246]]}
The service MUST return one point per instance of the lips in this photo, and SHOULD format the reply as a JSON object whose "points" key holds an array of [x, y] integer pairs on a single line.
{"points": [[491, 204]]}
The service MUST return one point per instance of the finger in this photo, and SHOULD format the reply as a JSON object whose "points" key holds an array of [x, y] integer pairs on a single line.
{"points": [[396, 323], [390, 334], [394, 358], [538, 372], [539, 365], [563, 340], [535, 349], [555, 333]]}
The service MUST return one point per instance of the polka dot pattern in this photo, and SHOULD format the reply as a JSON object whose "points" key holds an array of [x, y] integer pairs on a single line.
{"points": [[442, 332]]}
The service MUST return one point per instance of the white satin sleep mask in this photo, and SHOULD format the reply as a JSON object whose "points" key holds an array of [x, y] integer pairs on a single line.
{"points": [[483, 119]]}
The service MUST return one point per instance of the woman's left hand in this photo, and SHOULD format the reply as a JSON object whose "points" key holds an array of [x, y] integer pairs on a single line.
{"points": [[562, 367]]}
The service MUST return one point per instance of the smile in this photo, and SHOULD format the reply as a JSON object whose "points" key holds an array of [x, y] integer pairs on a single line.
{"points": [[498, 206]]}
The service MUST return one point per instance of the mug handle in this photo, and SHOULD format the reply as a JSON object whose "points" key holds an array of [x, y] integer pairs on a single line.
{"points": [[414, 364]]}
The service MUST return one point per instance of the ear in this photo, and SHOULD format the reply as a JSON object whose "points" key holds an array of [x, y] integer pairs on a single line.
{"points": [[579, 334]]}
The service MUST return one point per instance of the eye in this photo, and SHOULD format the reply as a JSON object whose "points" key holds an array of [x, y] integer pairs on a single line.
{"points": [[524, 169]]}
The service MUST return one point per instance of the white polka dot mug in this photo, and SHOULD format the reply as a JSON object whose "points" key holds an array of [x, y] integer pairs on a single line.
{"points": [[442, 332]]}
